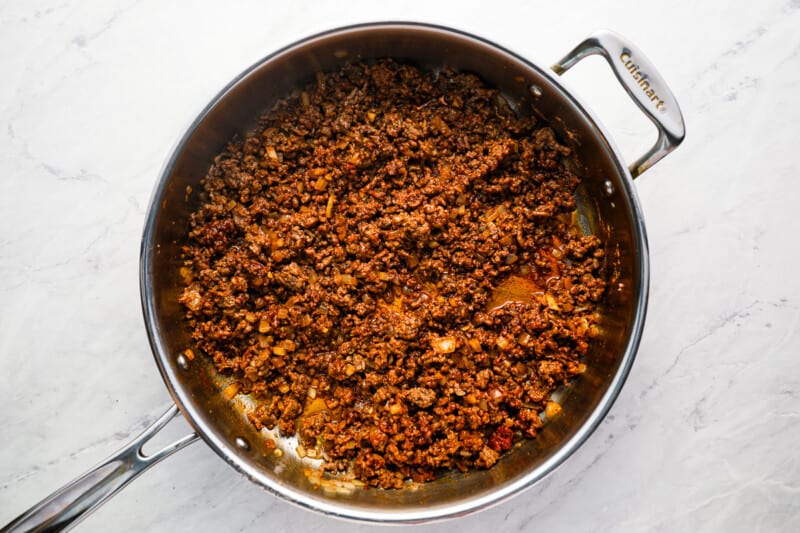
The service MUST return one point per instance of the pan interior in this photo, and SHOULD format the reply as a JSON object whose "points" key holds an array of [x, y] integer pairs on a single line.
{"points": [[607, 208]]}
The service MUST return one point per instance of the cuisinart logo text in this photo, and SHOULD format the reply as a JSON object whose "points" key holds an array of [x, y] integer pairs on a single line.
{"points": [[641, 80]]}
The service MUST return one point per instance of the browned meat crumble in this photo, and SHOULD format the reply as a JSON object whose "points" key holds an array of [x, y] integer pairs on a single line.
{"points": [[388, 266]]}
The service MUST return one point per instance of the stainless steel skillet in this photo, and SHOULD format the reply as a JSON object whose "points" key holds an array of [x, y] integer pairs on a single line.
{"points": [[608, 207]]}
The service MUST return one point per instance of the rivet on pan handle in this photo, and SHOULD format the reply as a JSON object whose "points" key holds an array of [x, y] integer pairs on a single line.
{"points": [[643, 83], [75, 501]]}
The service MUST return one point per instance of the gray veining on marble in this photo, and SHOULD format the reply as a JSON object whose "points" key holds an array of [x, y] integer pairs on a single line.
{"points": [[705, 433]]}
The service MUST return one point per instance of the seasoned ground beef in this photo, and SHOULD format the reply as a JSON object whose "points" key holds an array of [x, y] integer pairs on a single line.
{"points": [[388, 266]]}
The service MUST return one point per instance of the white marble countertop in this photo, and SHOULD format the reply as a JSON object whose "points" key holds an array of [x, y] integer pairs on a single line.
{"points": [[705, 433]]}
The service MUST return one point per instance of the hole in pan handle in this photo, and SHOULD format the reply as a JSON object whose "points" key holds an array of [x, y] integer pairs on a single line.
{"points": [[644, 85], [76, 500]]}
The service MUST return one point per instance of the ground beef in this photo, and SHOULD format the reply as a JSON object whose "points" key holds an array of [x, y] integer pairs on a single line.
{"points": [[388, 266]]}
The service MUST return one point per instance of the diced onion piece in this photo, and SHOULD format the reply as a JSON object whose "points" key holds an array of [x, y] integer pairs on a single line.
{"points": [[193, 300], [444, 344], [551, 302], [186, 274], [288, 345], [524, 338], [231, 390], [496, 394], [329, 207], [503, 343], [345, 280], [321, 184], [551, 409]]}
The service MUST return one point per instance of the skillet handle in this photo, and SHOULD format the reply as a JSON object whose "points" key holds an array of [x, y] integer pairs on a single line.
{"points": [[75, 501], [644, 85]]}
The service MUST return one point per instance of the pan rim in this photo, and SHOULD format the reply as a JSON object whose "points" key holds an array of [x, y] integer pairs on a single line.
{"points": [[420, 513]]}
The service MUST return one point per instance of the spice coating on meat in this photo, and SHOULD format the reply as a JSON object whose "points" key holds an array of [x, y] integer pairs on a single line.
{"points": [[388, 266]]}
